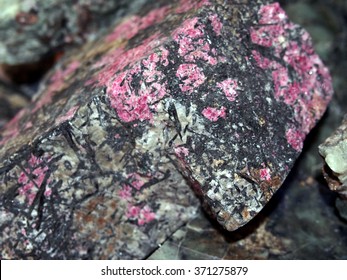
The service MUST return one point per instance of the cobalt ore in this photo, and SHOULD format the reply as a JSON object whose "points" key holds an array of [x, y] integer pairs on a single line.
{"points": [[214, 97]]}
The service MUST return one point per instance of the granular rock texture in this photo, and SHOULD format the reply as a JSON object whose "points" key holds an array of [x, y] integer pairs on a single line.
{"points": [[334, 152], [31, 29], [220, 93]]}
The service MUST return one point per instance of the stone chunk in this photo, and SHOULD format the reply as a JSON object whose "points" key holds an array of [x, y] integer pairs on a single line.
{"points": [[334, 152], [213, 95]]}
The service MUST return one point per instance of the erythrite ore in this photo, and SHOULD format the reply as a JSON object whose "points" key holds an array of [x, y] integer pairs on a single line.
{"points": [[211, 96]]}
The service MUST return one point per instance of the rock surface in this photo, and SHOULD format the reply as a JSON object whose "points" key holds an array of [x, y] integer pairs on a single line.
{"points": [[94, 167]]}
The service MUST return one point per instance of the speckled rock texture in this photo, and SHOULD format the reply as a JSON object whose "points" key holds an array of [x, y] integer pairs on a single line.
{"points": [[32, 29], [211, 96], [334, 152]]}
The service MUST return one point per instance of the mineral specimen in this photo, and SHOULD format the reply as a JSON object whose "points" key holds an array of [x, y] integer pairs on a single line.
{"points": [[213, 95], [334, 152]]}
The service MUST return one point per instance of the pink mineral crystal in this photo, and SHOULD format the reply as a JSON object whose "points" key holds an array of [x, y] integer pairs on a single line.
{"points": [[213, 114], [191, 77], [229, 87]]}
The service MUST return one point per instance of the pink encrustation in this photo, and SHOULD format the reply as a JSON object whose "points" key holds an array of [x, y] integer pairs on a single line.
{"points": [[193, 46], [314, 78], [213, 114], [230, 88]]}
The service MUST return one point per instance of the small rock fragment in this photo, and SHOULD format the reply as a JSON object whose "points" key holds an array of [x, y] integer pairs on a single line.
{"points": [[334, 152]]}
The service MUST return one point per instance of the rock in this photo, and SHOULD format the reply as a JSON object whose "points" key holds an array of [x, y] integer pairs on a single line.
{"points": [[31, 30], [334, 152], [220, 94]]}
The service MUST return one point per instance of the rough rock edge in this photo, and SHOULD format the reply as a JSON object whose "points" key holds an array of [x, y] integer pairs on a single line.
{"points": [[334, 152]]}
